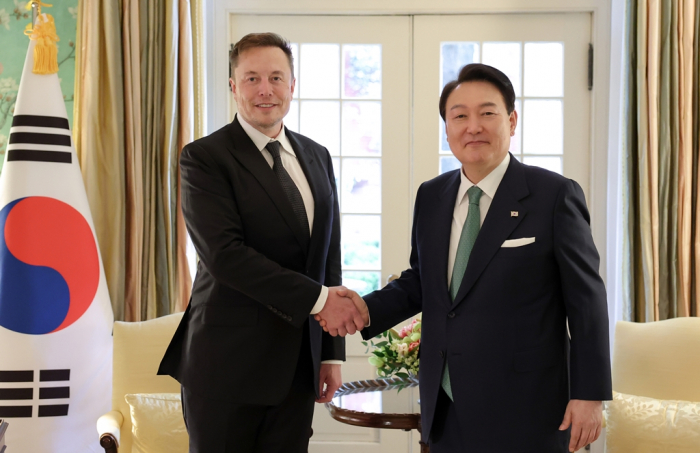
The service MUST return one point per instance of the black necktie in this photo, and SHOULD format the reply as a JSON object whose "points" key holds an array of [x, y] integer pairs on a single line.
{"points": [[290, 189]]}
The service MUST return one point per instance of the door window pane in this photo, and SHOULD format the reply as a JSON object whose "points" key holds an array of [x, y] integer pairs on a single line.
{"points": [[504, 56], [544, 69], [362, 128], [449, 163], [292, 118], [320, 121], [454, 55], [515, 140], [319, 71], [543, 127], [361, 183], [362, 71], [361, 242], [295, 60], [362, 282]]}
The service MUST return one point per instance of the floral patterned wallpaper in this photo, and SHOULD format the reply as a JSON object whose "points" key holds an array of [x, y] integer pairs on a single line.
{"points": [[13, 50]]}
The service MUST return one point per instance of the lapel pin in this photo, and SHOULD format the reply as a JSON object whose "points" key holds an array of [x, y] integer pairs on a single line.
{"points": [[514, 213]]}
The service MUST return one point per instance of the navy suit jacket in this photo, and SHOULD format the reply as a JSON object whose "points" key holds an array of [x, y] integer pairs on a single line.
{"points": [[259, 274], [512, 365]]}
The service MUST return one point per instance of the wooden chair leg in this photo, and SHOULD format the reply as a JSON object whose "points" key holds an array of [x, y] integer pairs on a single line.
{"points": [[109, 443]]}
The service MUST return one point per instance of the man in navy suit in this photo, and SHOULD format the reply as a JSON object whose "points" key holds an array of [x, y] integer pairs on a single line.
{"points": [[502, 256]]}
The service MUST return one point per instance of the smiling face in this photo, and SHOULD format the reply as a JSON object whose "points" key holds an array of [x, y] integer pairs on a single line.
{"points": [[263, 86], [478, 127]]}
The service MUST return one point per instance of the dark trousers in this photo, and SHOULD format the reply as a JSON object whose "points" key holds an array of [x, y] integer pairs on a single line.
{"points": [[445, 435], [217, 426]]}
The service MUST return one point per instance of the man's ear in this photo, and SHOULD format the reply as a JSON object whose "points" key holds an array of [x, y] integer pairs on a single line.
{"points": [[294, 82], [233, 85], [513, 122]]}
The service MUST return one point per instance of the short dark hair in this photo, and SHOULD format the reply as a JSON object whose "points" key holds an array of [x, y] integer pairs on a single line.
{"points": [[253, 40], [483, 73]]}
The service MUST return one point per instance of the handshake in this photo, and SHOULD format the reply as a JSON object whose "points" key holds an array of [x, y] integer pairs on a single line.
{"points": [[344, 313]]}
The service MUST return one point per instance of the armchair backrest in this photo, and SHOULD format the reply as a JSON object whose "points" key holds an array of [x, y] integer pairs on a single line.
{"points": [[138, 349], [658, 359]]}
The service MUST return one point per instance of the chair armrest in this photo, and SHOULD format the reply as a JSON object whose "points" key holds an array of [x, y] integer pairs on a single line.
{"points": [[108, 427]]}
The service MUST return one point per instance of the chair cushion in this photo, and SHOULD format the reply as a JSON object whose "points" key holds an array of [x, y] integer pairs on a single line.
{"points": [[647, 425], [157, 423]]}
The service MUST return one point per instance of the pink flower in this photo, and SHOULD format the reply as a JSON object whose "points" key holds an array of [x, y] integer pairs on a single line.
{"points": [[408, 330], [413, 345]]}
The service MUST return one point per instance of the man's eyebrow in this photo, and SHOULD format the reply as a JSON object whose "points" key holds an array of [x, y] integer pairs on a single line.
{"points": [[485, 104]]}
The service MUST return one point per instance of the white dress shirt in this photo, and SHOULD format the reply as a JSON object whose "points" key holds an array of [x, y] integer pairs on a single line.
{"points": [[291, 164], [488, 185]]}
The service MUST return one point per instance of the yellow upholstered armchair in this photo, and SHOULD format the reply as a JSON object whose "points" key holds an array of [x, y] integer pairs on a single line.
{"points": [[656, 384], [136, 389]]}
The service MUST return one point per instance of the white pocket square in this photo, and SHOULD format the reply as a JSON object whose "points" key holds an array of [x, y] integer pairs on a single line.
{"points": [[518, 242]]}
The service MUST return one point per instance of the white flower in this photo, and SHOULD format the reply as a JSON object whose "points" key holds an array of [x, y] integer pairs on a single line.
{"points": [[8, 85], [402, 349], [73, 11], [5, 18]]}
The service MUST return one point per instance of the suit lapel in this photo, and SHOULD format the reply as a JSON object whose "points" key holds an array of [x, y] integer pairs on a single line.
{"points": [[497, 226], [438, 240], [318, 180], [251, 158]]}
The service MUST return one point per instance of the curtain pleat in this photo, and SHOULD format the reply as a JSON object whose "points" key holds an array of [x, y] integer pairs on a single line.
{"points": [[686, 28], [630, 169], [667, 184], [695, 228], [99, 135], [134, 158], [199, 63], [132, 146], [186, 112]]}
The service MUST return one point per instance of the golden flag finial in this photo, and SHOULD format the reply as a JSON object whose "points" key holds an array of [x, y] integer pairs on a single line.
{"points": [[38, 4], [45, 50]]}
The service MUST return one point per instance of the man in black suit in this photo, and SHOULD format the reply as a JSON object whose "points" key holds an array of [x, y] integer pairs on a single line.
{"points": [[261, 207], [502, 256]]}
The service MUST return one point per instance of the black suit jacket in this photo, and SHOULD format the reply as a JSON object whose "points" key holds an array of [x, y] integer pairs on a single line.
{"points": [[258, 276], [505, 334]]}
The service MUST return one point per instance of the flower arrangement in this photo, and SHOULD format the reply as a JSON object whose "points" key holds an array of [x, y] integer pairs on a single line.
{"points": [[396, 354]]}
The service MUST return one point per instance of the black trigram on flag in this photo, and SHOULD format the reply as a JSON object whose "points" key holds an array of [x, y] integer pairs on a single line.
{"points": [[40, 139], [17, 401]]}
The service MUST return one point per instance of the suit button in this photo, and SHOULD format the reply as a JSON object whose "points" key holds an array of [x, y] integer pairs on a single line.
{"points": [[451, 314], [442, 354]]}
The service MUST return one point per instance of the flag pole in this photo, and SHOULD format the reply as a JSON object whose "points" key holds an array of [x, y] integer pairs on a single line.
{"points": [[35, 11]]}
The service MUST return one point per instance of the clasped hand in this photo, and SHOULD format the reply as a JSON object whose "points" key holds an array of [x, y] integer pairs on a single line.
{"points": [[344, 313]]}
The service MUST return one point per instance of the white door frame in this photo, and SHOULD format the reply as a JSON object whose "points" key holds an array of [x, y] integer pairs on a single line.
{"points": [[606, 100]]}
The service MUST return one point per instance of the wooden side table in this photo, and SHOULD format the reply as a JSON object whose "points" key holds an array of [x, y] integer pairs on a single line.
{"points": [[405, 422]]}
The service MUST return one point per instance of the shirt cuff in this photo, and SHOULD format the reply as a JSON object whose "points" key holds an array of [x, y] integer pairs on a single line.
{"points": [[332, 362], [321, 301]]}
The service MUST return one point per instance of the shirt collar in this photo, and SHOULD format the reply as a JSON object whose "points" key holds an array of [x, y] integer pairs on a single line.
{"points": [[261, 140], [488, 185]]}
